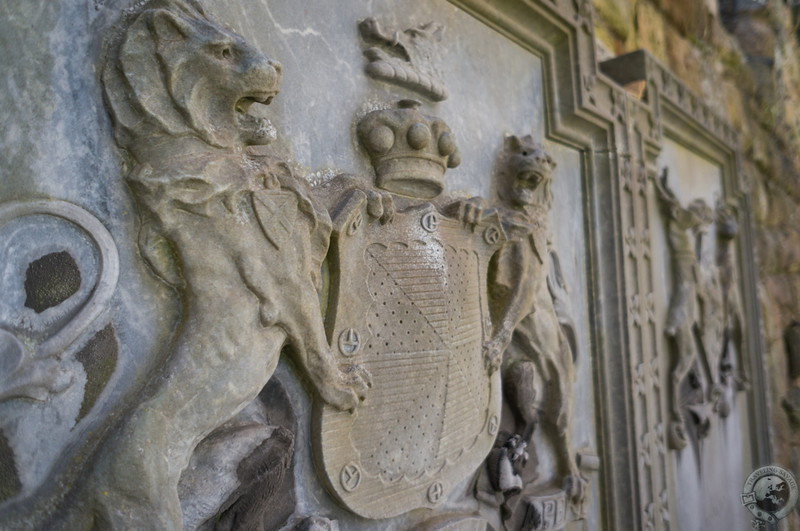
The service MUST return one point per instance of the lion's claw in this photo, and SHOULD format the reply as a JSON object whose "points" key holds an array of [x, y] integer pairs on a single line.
{"points": [[471, 211], [575, 486], [492, 356], [380, 205], [349, 389]]}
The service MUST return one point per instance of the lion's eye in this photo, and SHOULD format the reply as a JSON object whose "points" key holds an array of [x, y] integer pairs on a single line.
{"points": [[524, 153], [223, 51]]}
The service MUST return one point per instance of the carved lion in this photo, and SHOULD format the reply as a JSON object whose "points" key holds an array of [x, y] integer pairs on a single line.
{"points": [[237, 233], [539, 370], [175, 72]]}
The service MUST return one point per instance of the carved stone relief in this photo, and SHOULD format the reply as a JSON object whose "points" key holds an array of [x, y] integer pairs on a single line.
{"points": [[408, 301], [404, 58], [414, 306], [60, 269], [703, 321], [538, 365], [453, 362], [235, 233]]}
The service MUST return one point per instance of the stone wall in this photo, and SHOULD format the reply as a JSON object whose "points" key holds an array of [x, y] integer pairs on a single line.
{"points": [[743, 59]]}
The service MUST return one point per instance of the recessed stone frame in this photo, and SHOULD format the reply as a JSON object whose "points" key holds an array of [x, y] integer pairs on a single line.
{"points": [[620, 134]]}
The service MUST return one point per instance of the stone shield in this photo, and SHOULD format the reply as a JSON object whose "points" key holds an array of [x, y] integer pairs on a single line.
{"points": [[409, 303]]}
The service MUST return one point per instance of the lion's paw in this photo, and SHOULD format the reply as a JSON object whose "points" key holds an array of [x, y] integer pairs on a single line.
{"points": [[575, 486], [380, 206], [493, 355], [471, 211], [348, 390]]}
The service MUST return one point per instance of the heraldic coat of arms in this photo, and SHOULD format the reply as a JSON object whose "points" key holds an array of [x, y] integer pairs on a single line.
{"points": [[409, 303]]}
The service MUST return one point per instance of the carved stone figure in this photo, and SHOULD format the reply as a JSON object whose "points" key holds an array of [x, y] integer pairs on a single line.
{"points": [[695, 323], [408, 301], [236, 233], [404, 58], [538, 365], [733, 364]]}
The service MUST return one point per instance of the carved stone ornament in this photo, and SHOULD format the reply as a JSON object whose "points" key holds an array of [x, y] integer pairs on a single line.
{"points": [[60, 268], [703, 319], [38, 373], [404, 58], [409, 302], [538, 365], [236, 233]]}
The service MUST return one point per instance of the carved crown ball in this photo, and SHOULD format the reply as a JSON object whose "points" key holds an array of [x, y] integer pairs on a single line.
{"points": [[409, 150]]}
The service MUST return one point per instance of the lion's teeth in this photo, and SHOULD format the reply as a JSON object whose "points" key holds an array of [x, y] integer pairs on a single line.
{"points": [[243, 105]]}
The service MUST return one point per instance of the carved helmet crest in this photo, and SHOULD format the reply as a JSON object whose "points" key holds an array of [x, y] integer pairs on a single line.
{"points": [[174, 71]]}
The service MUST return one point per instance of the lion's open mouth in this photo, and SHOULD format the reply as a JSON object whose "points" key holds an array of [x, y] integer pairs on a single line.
{"points": [[255, 130], [529, 179], [244, 104]]}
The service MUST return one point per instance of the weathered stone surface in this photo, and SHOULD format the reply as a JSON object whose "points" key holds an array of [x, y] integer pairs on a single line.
{"points": [[225, 255], [650, 30], [755, 36], [617, 16]]}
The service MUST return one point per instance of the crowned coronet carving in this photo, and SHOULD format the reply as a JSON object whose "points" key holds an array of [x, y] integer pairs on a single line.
{"points": [[409, 150]]}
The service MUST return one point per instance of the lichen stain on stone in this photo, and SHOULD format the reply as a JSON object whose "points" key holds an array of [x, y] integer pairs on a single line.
{"points": [[99, 360], [50, 280], [10, 485]]}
